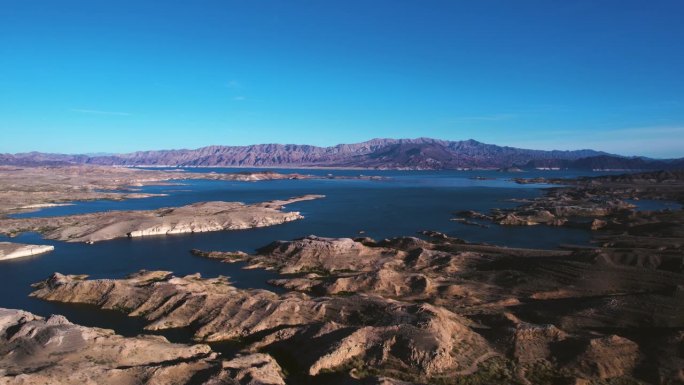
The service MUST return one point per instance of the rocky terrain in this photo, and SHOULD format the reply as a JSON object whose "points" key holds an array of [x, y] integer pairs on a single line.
{"points": [[36, 351], [194, 218], [314, 335], [10, 250], [427, 311], [434, 309], [589, 202], [609, 313]]}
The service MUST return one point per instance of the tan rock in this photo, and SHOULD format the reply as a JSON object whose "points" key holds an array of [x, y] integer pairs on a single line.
{"points": [[423, 338], [11, 250], [607, 357], [598, 224], [251, 369], [35, 350], [533, 342]]}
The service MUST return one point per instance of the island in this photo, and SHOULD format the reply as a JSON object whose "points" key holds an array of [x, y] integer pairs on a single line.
{"points": [[193, 218]]}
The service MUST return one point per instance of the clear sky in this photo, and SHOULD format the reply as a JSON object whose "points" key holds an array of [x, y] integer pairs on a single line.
{"points": [[117, 75]]}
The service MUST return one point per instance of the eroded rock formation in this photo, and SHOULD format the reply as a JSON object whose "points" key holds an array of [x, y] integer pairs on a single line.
{"points": [[318, 334], [35, 350]]}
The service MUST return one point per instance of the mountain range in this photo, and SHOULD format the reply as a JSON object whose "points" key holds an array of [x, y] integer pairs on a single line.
{"points": [[420, 153]]}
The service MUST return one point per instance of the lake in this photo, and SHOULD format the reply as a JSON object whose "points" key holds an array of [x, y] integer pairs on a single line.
{"points": [[402, 204]]}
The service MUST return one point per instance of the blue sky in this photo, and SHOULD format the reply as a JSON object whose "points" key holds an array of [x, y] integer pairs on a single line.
{"points": [[118, 76]]}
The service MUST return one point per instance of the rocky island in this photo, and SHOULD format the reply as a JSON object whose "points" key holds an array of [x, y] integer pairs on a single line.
{"points": [[588, 202], [194, 218]]}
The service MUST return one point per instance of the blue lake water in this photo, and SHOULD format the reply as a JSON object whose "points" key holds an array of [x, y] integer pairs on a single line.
{"points": [[402, 204], [654, 205]]}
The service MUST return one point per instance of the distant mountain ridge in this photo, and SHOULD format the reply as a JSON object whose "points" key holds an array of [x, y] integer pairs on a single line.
{"points": [[420, 153], [607, 162]]}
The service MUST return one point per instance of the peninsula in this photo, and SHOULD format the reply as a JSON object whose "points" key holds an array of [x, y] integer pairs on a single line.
{"points": [[10, 250]]}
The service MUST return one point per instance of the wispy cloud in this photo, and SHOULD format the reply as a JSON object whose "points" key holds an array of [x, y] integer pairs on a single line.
{"points": [[233, 84], [678, 131], [236, 86], [487, 118], [99, 112], [658, 105]]}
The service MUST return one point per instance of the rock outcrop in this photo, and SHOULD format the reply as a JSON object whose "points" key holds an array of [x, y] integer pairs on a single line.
{"points": [[607, 357], [11, 250]]}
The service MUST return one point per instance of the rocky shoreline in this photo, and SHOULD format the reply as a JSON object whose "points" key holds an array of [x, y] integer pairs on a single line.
{"points": [[11, 250]]}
